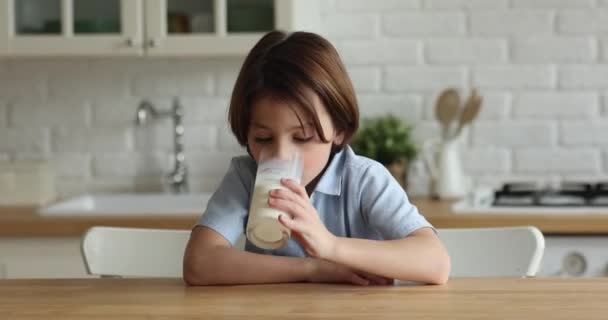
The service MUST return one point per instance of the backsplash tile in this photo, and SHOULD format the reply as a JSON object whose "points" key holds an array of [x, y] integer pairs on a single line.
{"points": [[30, 140], [541, 67], [49, 112], [74, 139]]}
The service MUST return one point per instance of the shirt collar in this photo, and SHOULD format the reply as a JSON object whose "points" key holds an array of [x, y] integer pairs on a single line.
{"points": [[331, 181]]}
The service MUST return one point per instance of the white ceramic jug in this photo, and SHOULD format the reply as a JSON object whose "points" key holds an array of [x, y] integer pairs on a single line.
{"points": [[445, 166]]}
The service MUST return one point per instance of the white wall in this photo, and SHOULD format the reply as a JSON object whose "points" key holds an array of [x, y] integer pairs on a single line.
{"points": [[541, 66]]}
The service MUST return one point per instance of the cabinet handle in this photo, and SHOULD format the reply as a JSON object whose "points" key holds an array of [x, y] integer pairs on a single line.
{"points": [[131, 43], [152, 43]]}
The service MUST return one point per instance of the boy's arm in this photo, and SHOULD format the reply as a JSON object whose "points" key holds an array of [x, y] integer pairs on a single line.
{"points": [[417, 257], [209, 260]]}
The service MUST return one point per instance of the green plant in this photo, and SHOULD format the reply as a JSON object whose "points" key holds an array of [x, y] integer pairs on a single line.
{"points": [[386, 139]]}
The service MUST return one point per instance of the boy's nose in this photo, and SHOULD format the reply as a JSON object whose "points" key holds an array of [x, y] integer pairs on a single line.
{"points": [[284, 150]]}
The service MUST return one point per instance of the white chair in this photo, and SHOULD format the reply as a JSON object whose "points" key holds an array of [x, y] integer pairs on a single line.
{"points": [[494, 252], [134, 252]]}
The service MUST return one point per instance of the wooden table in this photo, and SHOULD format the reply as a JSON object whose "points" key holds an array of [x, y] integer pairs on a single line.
{"points": [[481, 298]]}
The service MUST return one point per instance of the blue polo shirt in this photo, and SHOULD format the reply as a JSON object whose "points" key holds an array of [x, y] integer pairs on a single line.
{"points": [[356, 197]]}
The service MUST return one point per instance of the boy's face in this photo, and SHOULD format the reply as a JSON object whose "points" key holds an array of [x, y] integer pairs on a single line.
{"points": [[274, 124]]}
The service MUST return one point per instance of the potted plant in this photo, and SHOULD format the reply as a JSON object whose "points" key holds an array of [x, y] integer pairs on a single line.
{"points": [[388, 140]]}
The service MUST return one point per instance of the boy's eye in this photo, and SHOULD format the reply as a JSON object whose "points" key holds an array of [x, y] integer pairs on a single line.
{"points": [[303, 139], [263, 140]]}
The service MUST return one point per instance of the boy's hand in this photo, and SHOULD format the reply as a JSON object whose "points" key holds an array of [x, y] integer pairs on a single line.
{"points": [[305, 225], [324, 271]]}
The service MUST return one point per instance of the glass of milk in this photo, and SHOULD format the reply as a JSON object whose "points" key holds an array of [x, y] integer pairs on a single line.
{"points": [[264, 229]]}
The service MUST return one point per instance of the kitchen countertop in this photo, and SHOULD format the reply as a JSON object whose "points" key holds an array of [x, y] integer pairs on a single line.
{"points": [[460, 298], [23, 221], [440, 215]]}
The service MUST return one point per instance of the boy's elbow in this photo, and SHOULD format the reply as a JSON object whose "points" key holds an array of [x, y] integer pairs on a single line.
{"points": [[194, 273], [441, 271], [190, 276]]}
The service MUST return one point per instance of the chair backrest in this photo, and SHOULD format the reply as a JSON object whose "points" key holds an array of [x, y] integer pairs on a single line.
{"points": [[488, 252], [134, 252]]}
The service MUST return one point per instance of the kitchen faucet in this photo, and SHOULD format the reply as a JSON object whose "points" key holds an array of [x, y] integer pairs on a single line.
{"points": [[178, 178]]}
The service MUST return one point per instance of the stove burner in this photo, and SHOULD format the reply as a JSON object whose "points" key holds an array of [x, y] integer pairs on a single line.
{"points": [[567, 194]]}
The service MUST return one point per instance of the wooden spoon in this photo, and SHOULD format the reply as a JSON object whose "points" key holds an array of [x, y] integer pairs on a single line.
{"points": [[446, 110], [469, 113]]}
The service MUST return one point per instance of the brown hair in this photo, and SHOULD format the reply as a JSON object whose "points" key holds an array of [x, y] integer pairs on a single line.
{"points": [[287, 67]]}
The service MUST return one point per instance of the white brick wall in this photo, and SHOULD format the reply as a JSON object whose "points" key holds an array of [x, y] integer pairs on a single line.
{"points": [[408, 107], [541, 49], [486, 161], [381, 51], [424, 23], [467, 4], [366, 79], [588, 21], [541, 67], [43, 112], [548, 161], [552, 4], [511, 22], [563, 105], [584, 76], [341, 26], [496, 106], [72, 165], [584, 133], [366, 5], [117, 165], [470, 51], [29, 140], [514, 134], [514, 77], [73, 139], [400, 79]]}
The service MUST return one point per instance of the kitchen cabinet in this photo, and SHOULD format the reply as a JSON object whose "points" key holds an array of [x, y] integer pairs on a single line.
{"points": [[71, 27], [41, 257], [146, 27]]}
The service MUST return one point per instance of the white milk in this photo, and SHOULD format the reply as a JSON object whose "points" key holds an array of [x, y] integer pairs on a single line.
{"points": [[264, 229]]}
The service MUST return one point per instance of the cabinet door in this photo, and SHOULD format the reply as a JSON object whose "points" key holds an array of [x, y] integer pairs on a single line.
{"points": [[71, 27], [221, 27]]}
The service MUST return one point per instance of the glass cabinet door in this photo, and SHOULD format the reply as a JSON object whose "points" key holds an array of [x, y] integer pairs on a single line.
{"points": [[190, 17], [97, 17], [71, 27], [37, 17], [209, 27], [250, 16]]}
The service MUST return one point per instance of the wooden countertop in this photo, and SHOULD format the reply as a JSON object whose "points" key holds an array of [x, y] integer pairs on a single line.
{"points": [[461, 298], [23, 221], [440, 215]]}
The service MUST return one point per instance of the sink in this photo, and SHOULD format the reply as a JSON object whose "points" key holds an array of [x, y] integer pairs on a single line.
{"points": [[129, 204]]}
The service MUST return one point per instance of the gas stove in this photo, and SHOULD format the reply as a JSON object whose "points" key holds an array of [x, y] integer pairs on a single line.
{"points": [[527, 197]]}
